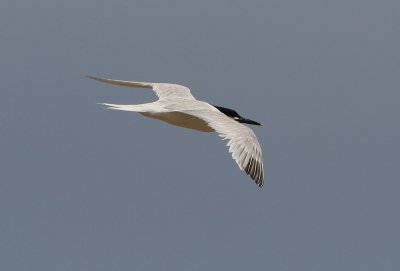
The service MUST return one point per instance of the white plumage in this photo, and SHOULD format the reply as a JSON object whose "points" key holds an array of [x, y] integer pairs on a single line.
{"points": [[178, 107]]}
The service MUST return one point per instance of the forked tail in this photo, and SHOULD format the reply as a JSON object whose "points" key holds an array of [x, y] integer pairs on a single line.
{"points": [[127, 107]]}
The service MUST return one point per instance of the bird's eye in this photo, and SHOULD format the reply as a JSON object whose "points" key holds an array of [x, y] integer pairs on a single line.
{"points": [[236, 118]]}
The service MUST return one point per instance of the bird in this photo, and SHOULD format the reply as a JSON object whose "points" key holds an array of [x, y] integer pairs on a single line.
{"points": [[177, 106]]}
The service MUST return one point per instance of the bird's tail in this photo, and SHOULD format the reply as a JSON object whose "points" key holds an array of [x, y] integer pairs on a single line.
{"points": [[127, 107]]}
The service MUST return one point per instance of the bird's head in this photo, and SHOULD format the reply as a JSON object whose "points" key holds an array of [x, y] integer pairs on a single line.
{"points": [[234, 115]]}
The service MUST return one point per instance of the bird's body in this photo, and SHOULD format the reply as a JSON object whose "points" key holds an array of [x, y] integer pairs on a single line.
{"points": [[178, 107], [181, 119]]}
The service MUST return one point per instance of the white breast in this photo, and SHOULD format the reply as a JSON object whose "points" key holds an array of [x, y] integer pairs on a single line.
{"points": [[181, 119]]}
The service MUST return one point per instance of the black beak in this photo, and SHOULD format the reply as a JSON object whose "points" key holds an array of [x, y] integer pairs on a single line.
{"points": [[249, 121]]}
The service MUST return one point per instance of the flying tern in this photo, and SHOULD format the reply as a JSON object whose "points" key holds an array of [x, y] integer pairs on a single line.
{"points": [[177, 106]]}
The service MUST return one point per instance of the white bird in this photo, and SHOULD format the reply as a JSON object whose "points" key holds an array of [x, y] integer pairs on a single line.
{"points": [[178, 107]]}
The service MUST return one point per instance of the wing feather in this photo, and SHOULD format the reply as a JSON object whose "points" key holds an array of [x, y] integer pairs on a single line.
{"points": [[164, 91], [242, 142]]}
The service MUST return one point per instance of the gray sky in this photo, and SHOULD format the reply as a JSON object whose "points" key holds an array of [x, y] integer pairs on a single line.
{"points": [[84, 188]]}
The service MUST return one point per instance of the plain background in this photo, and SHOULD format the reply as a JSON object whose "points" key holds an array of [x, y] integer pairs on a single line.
{"points": [[83, 188]]}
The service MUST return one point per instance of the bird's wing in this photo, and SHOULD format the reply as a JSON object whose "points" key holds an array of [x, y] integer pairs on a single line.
{"points": [[163, 90], [243, 143]]}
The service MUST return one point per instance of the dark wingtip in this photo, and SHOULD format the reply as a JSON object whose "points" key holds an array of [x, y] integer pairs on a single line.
{"points": [[255, 171], [91, 77]]}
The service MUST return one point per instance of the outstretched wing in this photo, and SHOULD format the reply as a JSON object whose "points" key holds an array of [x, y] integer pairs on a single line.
{"points": [[163, 90], [242, 142]]}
